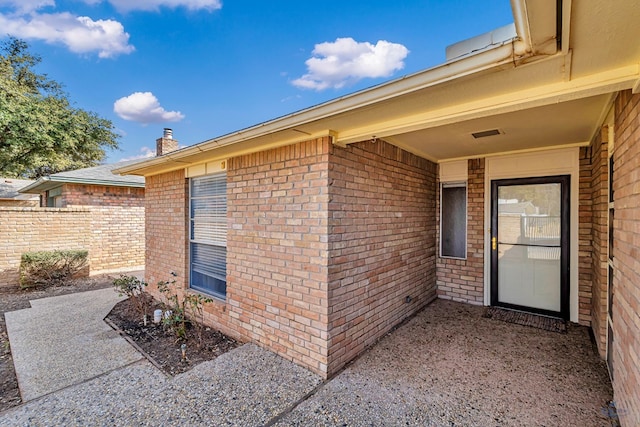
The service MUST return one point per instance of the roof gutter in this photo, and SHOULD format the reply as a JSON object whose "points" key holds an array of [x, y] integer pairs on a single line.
{"points": [[46, 183], [522, 46], [492, 57], [29, 188]]}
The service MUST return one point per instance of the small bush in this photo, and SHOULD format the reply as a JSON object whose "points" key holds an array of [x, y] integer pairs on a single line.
{"points": [[179, 311], [133, 288], [50, 268]]}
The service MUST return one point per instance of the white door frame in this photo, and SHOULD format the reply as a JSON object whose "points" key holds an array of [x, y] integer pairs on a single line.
{"points": [[564, 161]]}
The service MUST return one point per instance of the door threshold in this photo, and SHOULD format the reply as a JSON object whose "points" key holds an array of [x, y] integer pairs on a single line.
{"points": [[538, 321]]}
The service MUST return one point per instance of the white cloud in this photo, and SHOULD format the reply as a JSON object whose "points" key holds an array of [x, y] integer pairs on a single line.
{"points": [[345, 61], [80, 34], [145, 153], [144, 107], [26, 6], [128, 5], [290, 98]]}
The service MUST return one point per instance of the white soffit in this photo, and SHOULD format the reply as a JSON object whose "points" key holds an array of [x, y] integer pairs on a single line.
{"points": [[605, 35], [572, 122]]}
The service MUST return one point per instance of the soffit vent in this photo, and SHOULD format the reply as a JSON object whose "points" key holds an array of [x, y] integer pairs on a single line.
{"points": [[486, 133]]}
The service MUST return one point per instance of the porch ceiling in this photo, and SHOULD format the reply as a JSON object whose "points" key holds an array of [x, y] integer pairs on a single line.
{"points": [[572, 122]]}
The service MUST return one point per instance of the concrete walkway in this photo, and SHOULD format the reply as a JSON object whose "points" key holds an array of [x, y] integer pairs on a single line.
{"points": [[447, 366], [64, 340], [247, 386]]}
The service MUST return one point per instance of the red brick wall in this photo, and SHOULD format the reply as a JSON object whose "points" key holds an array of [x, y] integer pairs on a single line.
{"points": [[19, 203], [381, 243], [284, 270], [101, 195], [463, 279], [106, 221], [277, 250], [39, 229], [117, 239], [626, 253], [166, 222], [593, 238], [117, 224], [585, 218], [167, 243]]}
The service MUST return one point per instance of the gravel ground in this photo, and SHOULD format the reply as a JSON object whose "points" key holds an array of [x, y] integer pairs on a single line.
{"points": [[450, 367], [247, 386]]}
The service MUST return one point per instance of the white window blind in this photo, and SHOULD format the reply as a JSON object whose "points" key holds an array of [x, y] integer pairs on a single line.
{"points": [[209, 210], [208, 234]]}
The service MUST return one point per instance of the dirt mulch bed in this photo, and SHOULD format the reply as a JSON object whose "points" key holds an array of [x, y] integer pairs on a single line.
{"points": [[12, 299], [161, 346]]}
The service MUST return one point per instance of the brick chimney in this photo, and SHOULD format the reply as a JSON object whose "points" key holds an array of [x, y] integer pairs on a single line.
{"points": [[166, 144]]}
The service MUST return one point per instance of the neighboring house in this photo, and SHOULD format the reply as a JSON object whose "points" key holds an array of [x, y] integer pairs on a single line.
{"points": [[94, 186], [88, 208], [318, 232], [9, 195]]}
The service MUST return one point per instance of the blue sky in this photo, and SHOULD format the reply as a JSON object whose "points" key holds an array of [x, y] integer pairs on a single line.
{"points": [[209, 67]]}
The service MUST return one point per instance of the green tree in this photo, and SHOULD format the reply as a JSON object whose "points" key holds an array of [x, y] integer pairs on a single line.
{"points": [[40, 131]]}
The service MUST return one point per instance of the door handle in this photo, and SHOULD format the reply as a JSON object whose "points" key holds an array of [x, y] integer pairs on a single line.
{"points": [[494, 243]]}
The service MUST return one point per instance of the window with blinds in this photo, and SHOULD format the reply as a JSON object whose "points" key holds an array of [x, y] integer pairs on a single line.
{"points": [[208, 234]]}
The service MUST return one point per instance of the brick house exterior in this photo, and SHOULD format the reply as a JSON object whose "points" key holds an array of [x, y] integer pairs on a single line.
{"points": [[113, 230], [335, 238], [301, 251]]}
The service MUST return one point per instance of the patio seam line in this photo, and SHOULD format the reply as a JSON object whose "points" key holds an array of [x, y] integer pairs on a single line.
{"points": [[295, 404], [24, 402], [127, 338]]}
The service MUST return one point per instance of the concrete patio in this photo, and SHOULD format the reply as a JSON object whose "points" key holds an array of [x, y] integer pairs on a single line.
{"points": [[64, 340], [446, 366]]}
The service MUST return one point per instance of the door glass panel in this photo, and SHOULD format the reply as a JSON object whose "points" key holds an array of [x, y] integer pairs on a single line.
{"points": [[529, 245]]}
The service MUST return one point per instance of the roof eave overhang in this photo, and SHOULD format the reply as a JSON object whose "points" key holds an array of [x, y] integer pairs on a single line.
{"points": [[492, 57], [47, 183], [536, 43]]}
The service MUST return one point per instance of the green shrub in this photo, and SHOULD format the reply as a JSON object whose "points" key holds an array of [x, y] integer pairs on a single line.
{"points": [[178, 311], [133, 288], [49, 268]]}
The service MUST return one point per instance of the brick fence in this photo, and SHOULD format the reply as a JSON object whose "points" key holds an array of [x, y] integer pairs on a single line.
{"points": [[113, 236]]}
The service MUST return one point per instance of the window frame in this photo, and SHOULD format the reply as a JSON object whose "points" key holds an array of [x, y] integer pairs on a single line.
{"points": [[194, 241], [443, 187], [54, 198]]}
